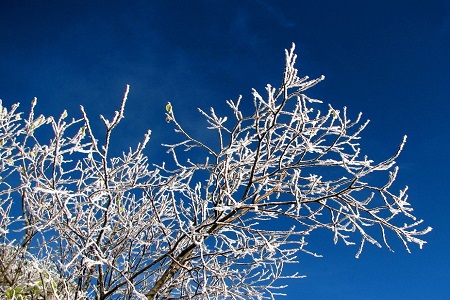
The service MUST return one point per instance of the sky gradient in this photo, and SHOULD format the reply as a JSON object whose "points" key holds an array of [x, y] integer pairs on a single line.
{"points": [[387, 59]]}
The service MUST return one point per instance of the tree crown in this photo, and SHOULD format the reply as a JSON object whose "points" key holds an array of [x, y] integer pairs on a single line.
{"points": [[76, 221]]}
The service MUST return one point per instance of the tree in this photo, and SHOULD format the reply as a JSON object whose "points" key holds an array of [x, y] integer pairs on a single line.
{"points": [[77, 222]]}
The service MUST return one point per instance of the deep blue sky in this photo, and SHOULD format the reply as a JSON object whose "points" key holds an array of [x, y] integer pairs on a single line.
{"points": [[388, 59]]}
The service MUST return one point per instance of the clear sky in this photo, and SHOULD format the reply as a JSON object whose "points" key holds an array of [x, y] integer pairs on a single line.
{"points": [[387, 58]]}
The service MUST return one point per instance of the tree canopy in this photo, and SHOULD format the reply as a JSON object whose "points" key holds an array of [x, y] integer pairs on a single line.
{"points": [[76, 221]]}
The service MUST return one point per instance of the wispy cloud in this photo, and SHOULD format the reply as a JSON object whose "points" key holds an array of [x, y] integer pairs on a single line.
{"points": [[276, 12]]}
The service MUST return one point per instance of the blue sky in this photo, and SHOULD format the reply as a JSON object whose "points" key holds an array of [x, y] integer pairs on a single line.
{"points": [[388, 59]]}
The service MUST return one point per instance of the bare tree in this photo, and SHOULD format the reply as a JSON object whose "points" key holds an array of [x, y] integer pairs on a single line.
{"points": [[79, 223]]}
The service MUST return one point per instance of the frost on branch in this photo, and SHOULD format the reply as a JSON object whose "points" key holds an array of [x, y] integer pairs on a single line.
{"points": [[220, 221]]}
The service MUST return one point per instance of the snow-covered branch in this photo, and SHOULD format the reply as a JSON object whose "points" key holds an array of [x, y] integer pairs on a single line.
{"points": [[220, 222]]}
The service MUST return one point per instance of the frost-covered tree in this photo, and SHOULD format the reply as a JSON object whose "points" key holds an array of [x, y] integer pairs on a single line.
{"points": [[76, 222]]}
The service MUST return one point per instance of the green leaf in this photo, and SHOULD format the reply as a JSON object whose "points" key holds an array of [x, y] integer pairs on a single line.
{"points": [[168, 107]]}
